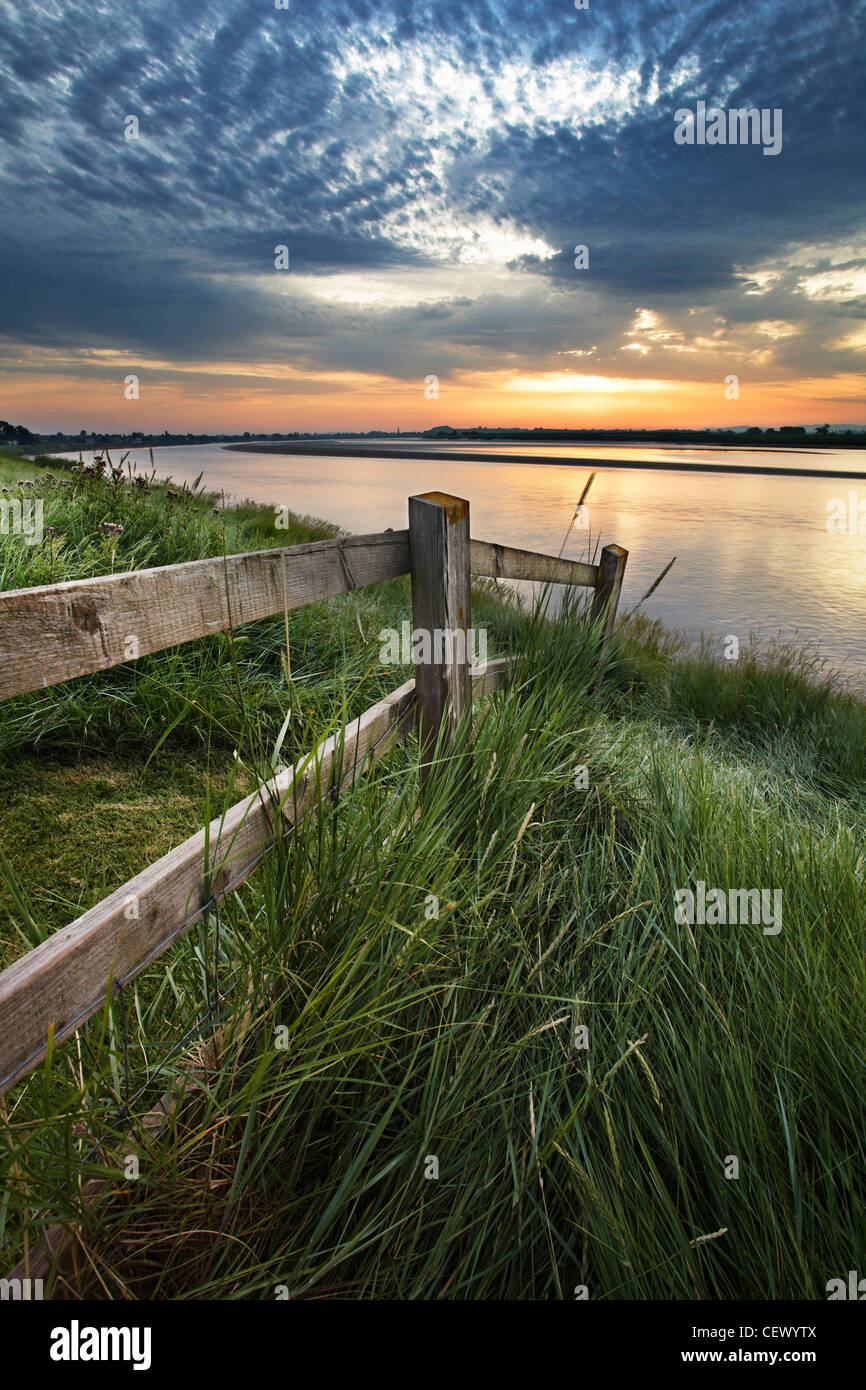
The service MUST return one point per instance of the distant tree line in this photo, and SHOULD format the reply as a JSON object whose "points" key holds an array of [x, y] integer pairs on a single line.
{"points": [[15, 434], [784, 434]]}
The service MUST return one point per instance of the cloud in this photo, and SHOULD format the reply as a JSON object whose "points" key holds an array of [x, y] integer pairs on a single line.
{"points": [[431, 167]]}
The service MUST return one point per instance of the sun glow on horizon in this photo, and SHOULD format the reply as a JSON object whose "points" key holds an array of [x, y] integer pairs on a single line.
{"points": [[226, 397], [569, 382]]}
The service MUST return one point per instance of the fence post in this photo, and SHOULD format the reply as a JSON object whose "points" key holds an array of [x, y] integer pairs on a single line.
{"points": [[441, 613], [608, 586]]}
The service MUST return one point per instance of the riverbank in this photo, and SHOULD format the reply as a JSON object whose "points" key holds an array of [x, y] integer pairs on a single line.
{"points": [[433, 974]]}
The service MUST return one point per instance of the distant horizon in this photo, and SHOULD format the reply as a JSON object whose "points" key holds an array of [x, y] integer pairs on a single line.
{"points": [[811, 431], [48, 421]]}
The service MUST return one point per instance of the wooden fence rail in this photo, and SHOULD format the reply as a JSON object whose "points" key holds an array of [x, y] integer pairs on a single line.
{"points": [[53, 633], [56, 632]]}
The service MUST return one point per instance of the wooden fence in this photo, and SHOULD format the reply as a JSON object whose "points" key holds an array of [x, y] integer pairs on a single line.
{"points": [[56, 632]]}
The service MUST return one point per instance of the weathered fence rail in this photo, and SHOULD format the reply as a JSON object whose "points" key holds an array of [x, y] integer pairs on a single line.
{"points": [[58, 631], [53, 633]]}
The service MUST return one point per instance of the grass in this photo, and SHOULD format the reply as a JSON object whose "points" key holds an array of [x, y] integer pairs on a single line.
{"points": [[403, 988], [108, 819]]}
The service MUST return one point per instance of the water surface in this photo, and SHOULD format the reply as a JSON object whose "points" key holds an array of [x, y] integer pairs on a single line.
{"points": [[753, 554]]}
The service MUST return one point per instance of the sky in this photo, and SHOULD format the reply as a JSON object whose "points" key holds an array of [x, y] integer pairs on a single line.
{"points": [[430, 169]]}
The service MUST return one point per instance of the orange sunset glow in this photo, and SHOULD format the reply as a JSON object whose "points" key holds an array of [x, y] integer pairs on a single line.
{"points": [[230, 397]]}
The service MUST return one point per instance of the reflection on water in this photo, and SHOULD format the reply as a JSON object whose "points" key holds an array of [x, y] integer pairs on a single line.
{"points": [[753, 553]]}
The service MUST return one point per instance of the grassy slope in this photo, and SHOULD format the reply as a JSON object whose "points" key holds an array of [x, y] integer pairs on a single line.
{"points": [[442, 1025], [87, 758]]}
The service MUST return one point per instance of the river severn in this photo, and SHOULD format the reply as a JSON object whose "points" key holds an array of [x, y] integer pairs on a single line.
{"points": [[770, 557]]}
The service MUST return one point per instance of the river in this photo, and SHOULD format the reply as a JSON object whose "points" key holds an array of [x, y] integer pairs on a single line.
{"points": [[754, 554]]}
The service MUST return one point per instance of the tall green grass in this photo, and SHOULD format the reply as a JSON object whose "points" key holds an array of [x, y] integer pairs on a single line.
{"points": [[188, 694], [430, 972]]}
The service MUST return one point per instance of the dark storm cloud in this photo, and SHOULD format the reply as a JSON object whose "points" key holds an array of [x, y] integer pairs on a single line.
{"points": [[262, 127]]}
